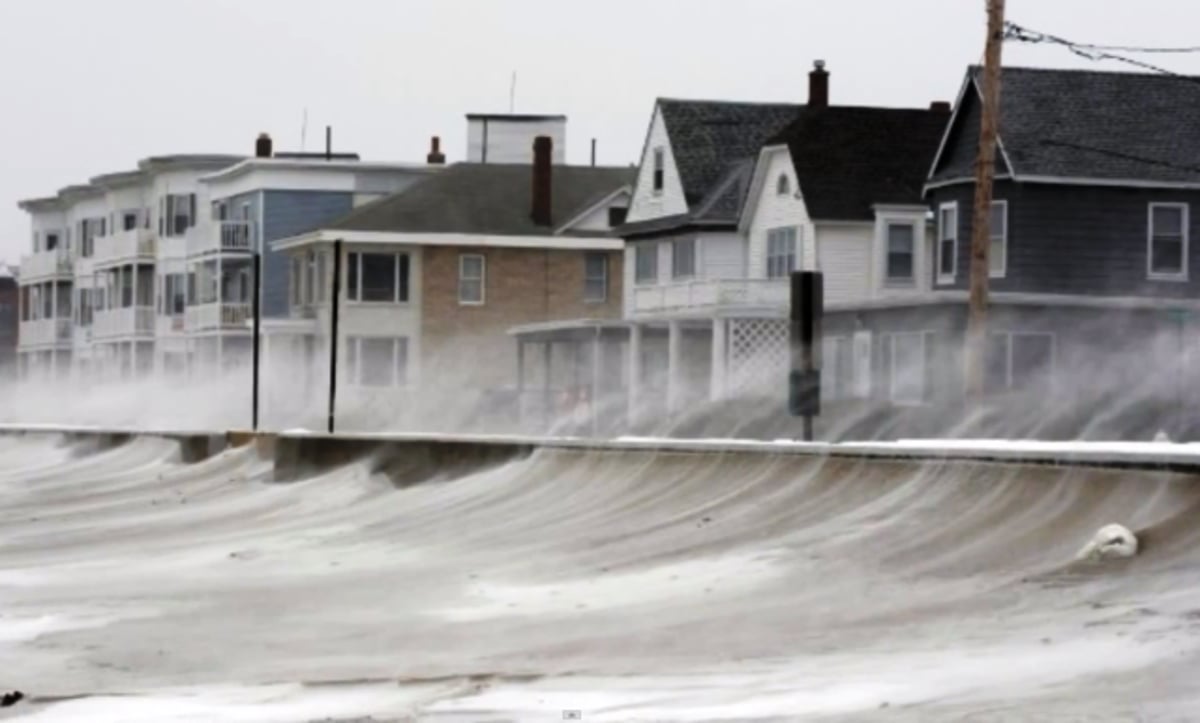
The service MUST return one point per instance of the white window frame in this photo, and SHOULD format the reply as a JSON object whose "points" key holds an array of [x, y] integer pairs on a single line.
{"points": [[675, 272], [999, 273], [1008, 335], [890, 339], [774, 234], [899, 281], [951, 206], [658, 170], [651, 250], [783, 185], [1182, 275], [462, 258], [603, 279], [358, 259], [354, 353]]}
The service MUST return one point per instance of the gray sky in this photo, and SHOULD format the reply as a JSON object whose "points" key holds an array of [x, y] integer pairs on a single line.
{"points": [[91, 87]]}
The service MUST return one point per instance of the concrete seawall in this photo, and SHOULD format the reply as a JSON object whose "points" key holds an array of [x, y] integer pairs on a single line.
{"points": [[409, 458]]}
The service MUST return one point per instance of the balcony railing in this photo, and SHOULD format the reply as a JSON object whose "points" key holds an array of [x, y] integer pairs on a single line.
{"points": [[712, 294], [46, 264], [225, 315], [44, 332], [130, 245], [223, 236], [130, 321]]}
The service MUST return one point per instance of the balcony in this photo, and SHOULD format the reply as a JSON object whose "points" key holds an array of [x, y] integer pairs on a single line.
{"points": [[214, 316], [46, 265], [45, 332], [129, 321], [713, 295], [124, 246], [221, 237]]}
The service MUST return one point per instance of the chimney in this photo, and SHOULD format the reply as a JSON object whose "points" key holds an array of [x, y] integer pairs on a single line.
{"points": [[263, 146], [435, 156], [818, 86], [542, 155], [940, 106]]}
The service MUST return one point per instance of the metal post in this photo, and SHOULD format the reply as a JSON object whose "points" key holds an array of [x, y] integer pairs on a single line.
{"points": [[333, 327], [804, 378], [547, 359], [255, 285], [592, 403]]}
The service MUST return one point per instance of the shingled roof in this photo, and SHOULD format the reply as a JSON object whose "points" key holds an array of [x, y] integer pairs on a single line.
{"points": [[1085, 124], [486, 199], [848, 159]]}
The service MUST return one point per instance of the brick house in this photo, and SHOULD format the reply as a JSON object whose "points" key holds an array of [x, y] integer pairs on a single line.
{"points": [[434, 276]]}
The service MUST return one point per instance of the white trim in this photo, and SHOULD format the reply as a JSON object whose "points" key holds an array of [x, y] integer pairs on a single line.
{"points": [[896, 282], [1000, 274], [604, 202], [675, 243], [1182, 275], [1074, 181], [962, 93], [940, 277], [358, 276], [604, 294], [757, 181], [658, 169], [482, 280], [647, 247], [402, 238]]}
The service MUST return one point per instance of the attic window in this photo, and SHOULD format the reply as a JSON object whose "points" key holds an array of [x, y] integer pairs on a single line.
{"points": [[658, 170], [616, 216], [782, 185]]}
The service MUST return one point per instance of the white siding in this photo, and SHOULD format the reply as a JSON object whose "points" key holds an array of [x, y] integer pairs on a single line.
{"points": [[511, 141], [770, 210], [721, 256], [844, 256], [670, 200]]}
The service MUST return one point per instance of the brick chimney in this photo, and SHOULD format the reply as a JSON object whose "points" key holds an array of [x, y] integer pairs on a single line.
{"points": [[435, 156], [543, 148], [940, 106], [818, 86], [263, 146]]}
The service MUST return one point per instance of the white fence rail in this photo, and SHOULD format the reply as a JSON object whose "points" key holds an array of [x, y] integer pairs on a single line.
{"points": [[712, 294]]}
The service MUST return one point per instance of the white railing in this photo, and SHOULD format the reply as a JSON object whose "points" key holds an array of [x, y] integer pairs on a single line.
{"points": [[129, 245], [236, 236], [130, 321], [168, 325], [218, 316], [46, 263], [44, 332], [712, 294]]}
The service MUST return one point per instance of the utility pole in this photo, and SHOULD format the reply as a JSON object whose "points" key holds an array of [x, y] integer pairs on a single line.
{"points": [[985, 171]]}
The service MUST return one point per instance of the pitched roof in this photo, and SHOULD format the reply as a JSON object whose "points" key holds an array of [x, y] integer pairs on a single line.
{"points": [[1091, 124], [848, 159], [491, 199], [708, 136]]}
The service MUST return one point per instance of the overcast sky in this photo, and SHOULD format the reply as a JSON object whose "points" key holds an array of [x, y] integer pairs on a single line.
{"points": [[92, 86]]}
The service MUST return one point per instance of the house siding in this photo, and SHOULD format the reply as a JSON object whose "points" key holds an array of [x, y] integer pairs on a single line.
{"points": [[722, 256], [469, 346], [670, 201], [285, 214], [772, 210], [1084, 240], [844, 258]]}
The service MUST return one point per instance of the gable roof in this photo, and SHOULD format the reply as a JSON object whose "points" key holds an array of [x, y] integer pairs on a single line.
{"points": [[848, 159], [492, 199], [714, 144], [1084, 124]]}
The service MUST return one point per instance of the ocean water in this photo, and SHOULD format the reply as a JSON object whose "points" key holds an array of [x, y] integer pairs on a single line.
{"points": [[602, 586]]}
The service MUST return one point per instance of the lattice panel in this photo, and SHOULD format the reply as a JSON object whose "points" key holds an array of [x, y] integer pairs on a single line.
{"points": [[758, 355]]}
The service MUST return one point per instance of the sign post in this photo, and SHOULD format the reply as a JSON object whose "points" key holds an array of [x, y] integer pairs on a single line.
{"points": [[804, 372]]}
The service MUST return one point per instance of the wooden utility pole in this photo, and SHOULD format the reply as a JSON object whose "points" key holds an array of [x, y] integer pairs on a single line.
{"points": [[985, 170]]}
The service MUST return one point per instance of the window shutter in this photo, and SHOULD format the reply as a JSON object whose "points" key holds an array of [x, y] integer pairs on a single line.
{"points": [[191, 210]]}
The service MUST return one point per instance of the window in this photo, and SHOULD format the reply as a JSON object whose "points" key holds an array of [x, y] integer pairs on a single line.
{"points": [[595, 277], [379, 278], [470, 279], [683, 258], [129, 220], [1168, 241], [177, 213], [908, 366], [782, 185], [998, 240], [174, 294], [837, 368], [899, 253], [947, 242], [51, 241], [781, 252], [645, 263], [377, 361], [658, 170], [617, 216], [1019, 361]]}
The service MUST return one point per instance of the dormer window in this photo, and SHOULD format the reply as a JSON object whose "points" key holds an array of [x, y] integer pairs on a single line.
{"points": [[658, 170], [783, 186], [616, 216]]}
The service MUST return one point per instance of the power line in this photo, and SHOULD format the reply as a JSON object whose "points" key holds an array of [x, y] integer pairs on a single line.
{"points": [[1012, 31]]}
